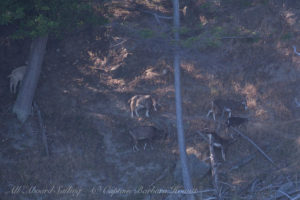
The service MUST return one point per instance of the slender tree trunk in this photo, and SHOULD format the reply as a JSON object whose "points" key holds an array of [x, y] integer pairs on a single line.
{"points": [[23, 104], [180, 133]]}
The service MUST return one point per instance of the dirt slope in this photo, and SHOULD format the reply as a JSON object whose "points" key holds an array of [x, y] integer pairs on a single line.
{"points": [[230, 50]]}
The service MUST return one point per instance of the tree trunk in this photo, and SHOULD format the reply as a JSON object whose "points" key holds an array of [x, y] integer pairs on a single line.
{"points": [[23, 104], [180, 133]]}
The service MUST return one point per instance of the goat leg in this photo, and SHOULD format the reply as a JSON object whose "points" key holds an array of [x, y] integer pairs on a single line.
{"points": [[147, 113]]}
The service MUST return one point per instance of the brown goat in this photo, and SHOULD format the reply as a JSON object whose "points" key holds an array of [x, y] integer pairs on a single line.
{"points": [[141, 133]]}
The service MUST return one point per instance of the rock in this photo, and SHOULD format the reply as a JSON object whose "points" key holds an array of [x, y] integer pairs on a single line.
{"points": [[198, 169]]}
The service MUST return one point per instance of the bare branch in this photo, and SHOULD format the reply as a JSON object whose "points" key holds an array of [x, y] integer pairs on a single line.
{"points": [[255, 145], [277, 196], [243, 162], [163, 175], [296, 197], [119, 43], [295, 50], [203, 136], [285, 194]]}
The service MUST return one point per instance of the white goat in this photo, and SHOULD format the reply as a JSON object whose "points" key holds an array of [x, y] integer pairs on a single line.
{"points": [[16, 77], [138, 102]]}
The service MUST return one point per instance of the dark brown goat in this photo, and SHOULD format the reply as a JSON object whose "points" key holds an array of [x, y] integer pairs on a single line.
{"points": [[226, 105], [141, 133]]}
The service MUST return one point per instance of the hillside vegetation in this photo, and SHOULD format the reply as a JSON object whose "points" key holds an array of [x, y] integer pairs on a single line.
{"points": [[232, 49]]}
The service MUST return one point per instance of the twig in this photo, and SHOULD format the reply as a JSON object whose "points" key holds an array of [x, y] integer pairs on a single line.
{"points": [[203, 136], [255, 145], [156, 16], [285, 194], [42, 127], [254, 184], [268, 187], [242, 162], [119, 43], [163, 175], [224, 183], [295, 50], [296, 197], [289, 193]]}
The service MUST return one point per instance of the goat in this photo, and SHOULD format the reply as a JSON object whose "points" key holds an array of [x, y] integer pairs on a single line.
{"points": [[236, 121], [16, 77], [138, 102], [143, 133], [219, 142], [227, 105]]}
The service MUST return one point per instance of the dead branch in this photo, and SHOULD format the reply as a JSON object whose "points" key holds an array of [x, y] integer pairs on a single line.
{"points": [[297, 102], [285, 194], [156, 16], [203, 136], [42, 127], [295, 50], [296, 197], [218, 142], [255, 145], [163, 175], [119, 43], [242, 162], [214, 167]]}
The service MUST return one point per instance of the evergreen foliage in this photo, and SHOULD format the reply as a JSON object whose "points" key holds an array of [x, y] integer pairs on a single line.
{"points": [[33, 18]]}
